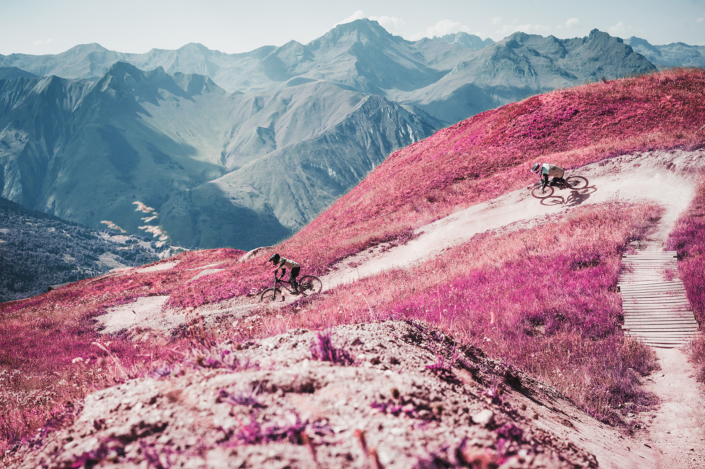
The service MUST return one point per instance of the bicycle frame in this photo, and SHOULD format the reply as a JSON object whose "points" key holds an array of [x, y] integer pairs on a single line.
{"points": [[284, 283]]}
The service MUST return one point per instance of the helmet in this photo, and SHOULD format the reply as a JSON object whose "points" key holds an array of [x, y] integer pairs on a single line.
{"points": [[275, 258], [535, 168]]}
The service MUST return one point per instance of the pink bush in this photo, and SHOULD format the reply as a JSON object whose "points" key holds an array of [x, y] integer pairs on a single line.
{"points": [[688, 238]]}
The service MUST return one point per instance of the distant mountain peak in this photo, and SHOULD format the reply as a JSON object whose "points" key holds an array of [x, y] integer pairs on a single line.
{"points": [[120, 68], [9, 73], [363, 24], [362, 28], [469, 41], [194, 46], [642, 43], [596, 33], [86, 48]]}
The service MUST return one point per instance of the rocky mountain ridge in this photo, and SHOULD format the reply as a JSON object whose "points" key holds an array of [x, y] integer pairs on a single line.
{"points": [[250, 167], [676, 54]]}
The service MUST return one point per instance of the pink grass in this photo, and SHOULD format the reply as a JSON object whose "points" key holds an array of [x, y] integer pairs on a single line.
{"points": [[688, 239], [542, 299]]}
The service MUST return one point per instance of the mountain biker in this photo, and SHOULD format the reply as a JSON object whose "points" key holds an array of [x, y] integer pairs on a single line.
{"points": [[547, 170], [282, 263]]}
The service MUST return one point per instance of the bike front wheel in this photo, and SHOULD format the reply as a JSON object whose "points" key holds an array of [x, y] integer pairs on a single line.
{"points": [[270, 295], [576, 182], [539, 192], [310, 285]]}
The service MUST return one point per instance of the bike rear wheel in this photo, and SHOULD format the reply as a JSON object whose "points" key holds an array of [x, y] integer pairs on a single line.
{"points": [[270, 295], [576, 182], [310, 285], [539, 192]]}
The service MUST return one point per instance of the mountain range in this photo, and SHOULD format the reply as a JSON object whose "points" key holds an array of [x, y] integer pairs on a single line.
{"points": [[676, 54], [244, 149]]}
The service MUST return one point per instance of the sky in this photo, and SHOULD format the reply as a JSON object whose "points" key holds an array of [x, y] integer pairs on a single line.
{"points": [[53, 26]]}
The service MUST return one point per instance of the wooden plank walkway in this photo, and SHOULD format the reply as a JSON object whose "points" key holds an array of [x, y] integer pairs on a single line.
{"points": [[656, 310]]}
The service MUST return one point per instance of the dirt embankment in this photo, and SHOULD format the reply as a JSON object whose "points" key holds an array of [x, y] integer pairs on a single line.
{"points": [[398, 395]]}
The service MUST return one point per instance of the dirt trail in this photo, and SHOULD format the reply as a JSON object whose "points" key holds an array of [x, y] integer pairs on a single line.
{"points": [[676, 434], [667, 178], [677, 429]]}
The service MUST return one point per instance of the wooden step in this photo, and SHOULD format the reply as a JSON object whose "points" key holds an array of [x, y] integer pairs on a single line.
{"points": [[653, 284], [654, 334], [659, 323], [665, 299], [659, 320], [642, 305]]}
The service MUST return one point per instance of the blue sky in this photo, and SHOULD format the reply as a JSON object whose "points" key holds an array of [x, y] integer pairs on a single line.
{"points": [[48, 27]]}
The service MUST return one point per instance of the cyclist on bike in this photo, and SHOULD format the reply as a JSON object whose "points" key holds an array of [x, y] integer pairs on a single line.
{"points": [[546, 170], [282, 263]]}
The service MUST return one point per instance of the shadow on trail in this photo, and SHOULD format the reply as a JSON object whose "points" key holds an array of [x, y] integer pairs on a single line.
{"points": [[575, 198]]}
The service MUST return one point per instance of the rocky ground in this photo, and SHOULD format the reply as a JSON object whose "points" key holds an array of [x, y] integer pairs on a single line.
{"points": [[392, 395]]}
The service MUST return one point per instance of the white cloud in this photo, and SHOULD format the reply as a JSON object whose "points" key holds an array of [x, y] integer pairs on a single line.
{"points": [[572, 22], [358, 15], [622, 29], [700, 20], [40, 42], [390, 23], [509, 29], [496, 20], [446, 27], [442, 28]]}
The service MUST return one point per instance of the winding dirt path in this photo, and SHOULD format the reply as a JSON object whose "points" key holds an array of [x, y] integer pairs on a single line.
{"points": [[675, 436], [666, 178]]}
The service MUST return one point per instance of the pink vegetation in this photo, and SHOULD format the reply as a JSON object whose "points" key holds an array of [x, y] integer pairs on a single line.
{"points": [[479, 159], [542, 299], [465, 164], [688, 238], [48, 355]]}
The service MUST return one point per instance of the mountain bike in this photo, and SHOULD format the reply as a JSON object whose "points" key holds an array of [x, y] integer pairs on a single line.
{"points": [[540, 191], [308, 286]]}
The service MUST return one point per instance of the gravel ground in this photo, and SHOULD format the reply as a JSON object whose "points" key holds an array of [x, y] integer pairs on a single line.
{"points": [[395, 395]]}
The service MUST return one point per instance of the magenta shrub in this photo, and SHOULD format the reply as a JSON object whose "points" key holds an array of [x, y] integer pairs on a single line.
{"points": [[322, 349]]}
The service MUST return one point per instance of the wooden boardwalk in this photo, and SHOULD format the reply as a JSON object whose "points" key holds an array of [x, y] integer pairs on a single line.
{"points": [[656, 310]]}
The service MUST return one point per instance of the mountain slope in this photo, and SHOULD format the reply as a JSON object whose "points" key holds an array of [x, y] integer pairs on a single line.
{"points": [[676, 54], [8, 73], [38, 250], [152, 137]]}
